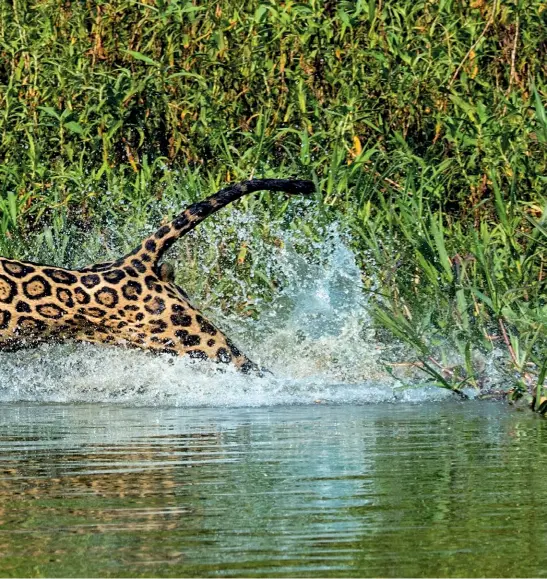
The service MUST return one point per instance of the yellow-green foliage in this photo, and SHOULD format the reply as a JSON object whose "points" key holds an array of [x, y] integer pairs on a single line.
{"points": [[87, 86]]}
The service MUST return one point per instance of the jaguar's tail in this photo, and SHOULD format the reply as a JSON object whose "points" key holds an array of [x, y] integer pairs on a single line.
{"points": [[155, 246]]}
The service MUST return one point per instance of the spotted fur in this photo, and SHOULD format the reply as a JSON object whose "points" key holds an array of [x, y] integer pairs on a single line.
{"points": [[131, 302]]}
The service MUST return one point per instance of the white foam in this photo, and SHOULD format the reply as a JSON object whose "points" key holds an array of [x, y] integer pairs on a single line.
{"points": [[87, 373]]}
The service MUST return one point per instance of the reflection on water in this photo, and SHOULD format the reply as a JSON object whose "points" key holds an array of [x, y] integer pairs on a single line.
{"points": [[380, 490]]}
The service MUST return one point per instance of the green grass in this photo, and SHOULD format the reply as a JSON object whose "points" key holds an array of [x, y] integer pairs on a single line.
{"points": [[423, 123]]}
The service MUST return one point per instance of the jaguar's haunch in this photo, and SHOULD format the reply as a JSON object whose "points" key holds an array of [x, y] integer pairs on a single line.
{"points": [[131, 302]]}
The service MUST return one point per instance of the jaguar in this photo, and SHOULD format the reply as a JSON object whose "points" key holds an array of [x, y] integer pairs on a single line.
{"points": [[131, 302]]}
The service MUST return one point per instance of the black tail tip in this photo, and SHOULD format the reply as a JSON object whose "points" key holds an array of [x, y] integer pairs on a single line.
{"points": [[290, 186], [300, 187]]}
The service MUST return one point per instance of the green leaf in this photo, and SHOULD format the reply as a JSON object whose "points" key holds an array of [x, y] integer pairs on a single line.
{"points": [[260, 11], [466, 107], [437, 230], [541, 115], [461, 304], [142, 57], [539, 226], [74, 127], [197, 77], [484, 298], [12, 203], [50, 111], [499, 203]]}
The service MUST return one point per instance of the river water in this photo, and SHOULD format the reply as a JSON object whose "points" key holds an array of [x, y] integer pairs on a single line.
{"points": [[388, 489], [118, 463]]}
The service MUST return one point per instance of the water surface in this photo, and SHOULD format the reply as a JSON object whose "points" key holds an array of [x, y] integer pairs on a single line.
{"points": [[430, 489]]}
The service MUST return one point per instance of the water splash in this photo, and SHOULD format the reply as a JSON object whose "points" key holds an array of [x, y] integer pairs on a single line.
{"points": [[313, 332], [82, 373], [318, 325]]}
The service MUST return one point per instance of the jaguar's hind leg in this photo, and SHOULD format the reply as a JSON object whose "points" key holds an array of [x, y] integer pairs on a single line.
{"points": [[165, 321]]}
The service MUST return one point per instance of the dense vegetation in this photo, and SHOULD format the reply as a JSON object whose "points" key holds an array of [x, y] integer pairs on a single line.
{"points": [[421, 121]]}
